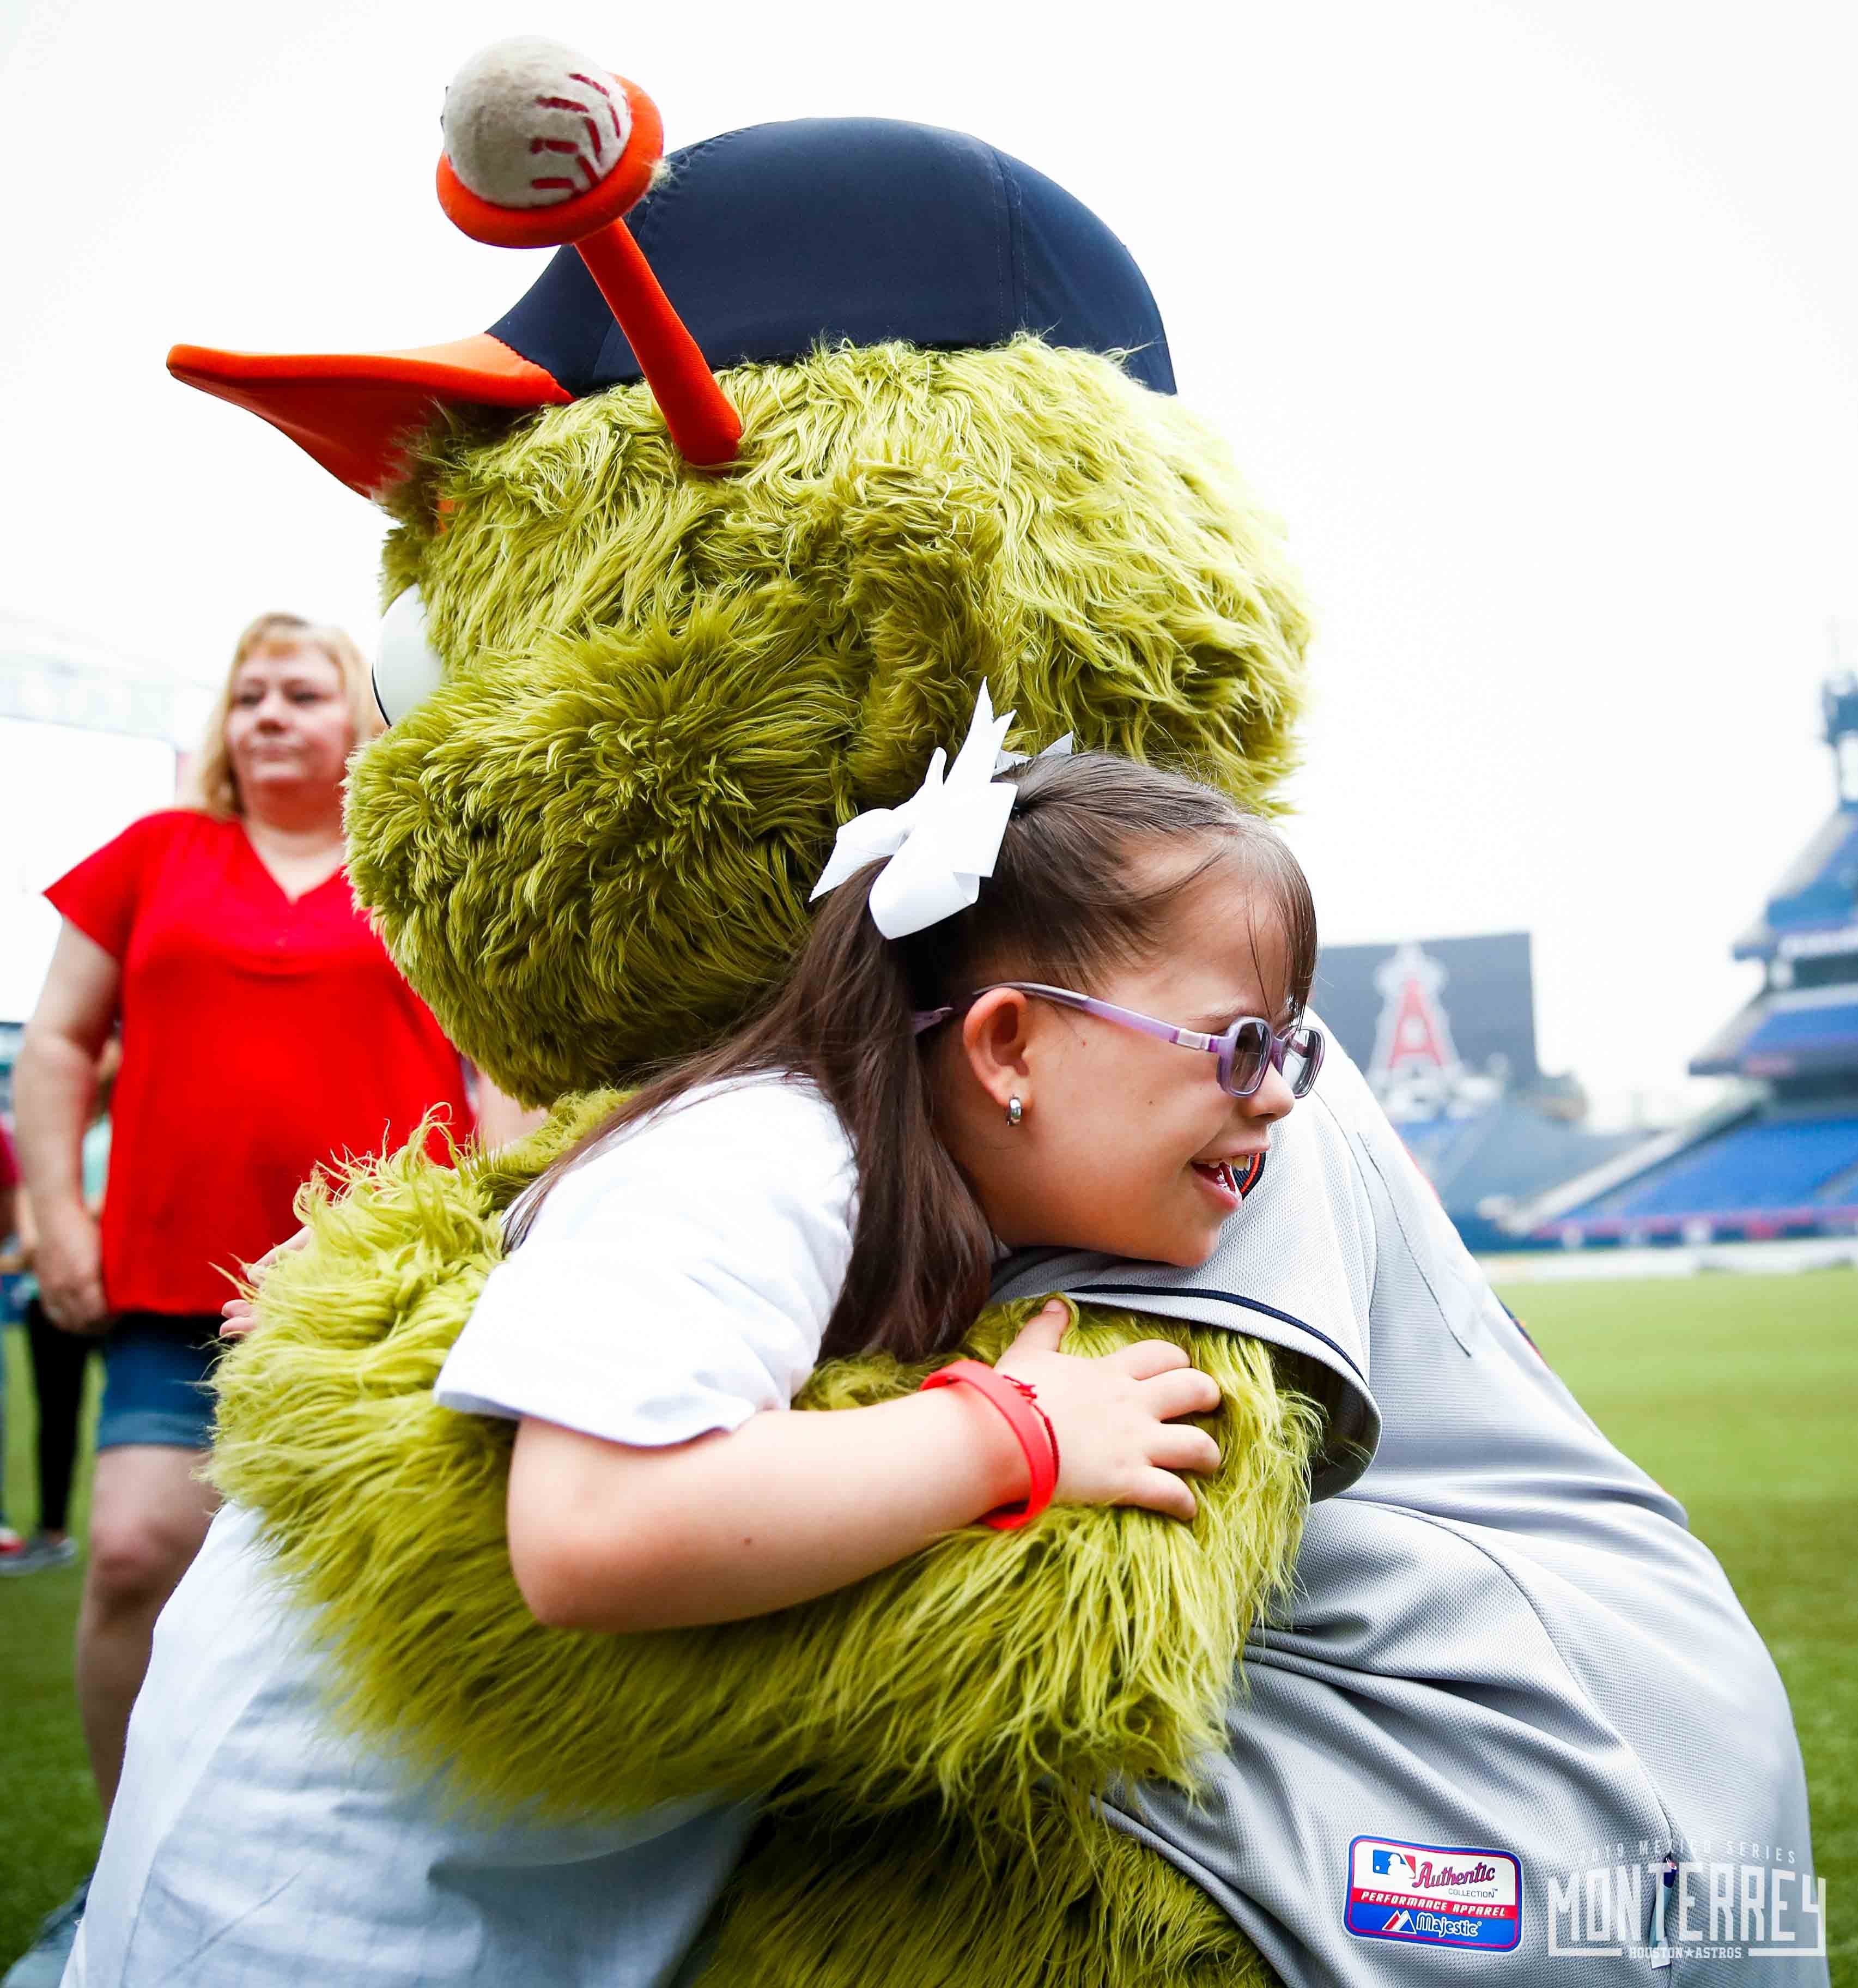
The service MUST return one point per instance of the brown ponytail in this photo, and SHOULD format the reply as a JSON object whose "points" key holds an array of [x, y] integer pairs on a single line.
{"points": [[1063, 905]]}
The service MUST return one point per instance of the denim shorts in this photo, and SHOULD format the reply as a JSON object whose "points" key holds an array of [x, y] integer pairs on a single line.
{"points": [[155, 1370]]}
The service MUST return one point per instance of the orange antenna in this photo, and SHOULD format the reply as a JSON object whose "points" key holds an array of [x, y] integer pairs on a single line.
{"points": [[544, 147]]}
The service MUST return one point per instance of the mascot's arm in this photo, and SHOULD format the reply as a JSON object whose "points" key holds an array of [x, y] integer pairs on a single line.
{"points": [[1094, 1643]]}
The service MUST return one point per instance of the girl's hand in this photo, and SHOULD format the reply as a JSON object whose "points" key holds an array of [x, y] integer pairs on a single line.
{"points": [[238, 1313], [1118, 1441]]}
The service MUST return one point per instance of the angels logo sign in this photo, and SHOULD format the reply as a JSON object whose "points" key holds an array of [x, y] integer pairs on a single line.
{"points": [[1415, 1069], [1414, 1037], [1420, 1893], [1440, 1027]]}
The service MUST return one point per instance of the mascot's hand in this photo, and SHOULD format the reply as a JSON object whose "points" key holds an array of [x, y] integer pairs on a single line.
{"points": [[1100, 1641]]}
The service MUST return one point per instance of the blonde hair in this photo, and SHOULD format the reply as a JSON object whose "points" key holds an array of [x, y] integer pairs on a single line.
{"points": [[211, 785]]}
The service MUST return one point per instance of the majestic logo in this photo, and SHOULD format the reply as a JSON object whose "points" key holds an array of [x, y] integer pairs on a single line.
{"points": [[1418, 1891]]}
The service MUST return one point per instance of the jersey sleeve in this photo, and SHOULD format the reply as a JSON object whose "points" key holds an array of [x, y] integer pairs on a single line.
{"points": [[102, 895], [679, 1281], [1299, 1255]]}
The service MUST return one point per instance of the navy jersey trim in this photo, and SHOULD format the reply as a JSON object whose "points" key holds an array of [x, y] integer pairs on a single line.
{"points": [[1225, 1298]]}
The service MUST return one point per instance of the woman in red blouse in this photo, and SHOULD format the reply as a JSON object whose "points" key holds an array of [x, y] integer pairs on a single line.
{"points": [[265, 1032]]}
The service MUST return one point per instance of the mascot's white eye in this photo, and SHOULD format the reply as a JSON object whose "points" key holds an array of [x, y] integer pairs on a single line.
{"points": [[407, 669]]}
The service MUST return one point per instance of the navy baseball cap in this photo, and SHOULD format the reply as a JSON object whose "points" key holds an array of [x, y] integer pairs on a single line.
{"points": [[767, 242], [774, 239]]}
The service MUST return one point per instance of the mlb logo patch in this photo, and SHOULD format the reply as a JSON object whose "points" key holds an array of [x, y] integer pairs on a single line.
{"points": [[1419, 1892]]}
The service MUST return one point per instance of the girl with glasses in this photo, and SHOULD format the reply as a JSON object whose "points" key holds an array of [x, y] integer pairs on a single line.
{"points": [[1062, 1006], [1090, 1053]]}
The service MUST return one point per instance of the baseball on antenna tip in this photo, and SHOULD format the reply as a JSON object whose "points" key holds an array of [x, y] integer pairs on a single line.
{"points": [[544, 147]]}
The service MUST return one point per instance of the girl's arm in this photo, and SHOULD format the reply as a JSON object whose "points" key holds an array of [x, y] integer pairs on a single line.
{"points": [[1096, 1642], [790, 1506]]}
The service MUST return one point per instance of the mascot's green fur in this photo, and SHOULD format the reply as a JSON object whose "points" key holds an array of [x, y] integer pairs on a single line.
{"points": [[973, 1672], [937, 1727], [589, 850]]}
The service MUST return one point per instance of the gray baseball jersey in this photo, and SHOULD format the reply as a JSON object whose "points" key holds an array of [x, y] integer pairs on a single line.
{"points": [[1512, 1721]]}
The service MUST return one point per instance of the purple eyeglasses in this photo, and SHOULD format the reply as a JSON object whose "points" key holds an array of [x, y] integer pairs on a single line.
{"points": [[1246, 1049]]}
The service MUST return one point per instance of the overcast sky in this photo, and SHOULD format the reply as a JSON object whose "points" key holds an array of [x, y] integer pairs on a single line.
{"points": [[1535, 320]]}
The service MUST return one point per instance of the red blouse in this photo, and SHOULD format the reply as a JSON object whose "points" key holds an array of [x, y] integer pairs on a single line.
{"points": [[261, 1037]]}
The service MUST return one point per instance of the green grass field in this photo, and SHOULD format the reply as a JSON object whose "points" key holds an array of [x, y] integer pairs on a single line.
{"points": [[1739, 1395], [48, 1818]]}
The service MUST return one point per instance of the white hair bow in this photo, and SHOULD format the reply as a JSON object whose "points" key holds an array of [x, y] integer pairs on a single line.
{"points": [[942, 841]]}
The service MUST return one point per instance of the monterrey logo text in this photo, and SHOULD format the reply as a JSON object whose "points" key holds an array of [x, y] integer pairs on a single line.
{"points": [[1731, 1900], [1443, 1898]]}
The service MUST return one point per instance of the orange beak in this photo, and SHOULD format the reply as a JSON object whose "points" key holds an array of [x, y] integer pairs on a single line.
{"points": [[355, 412]]}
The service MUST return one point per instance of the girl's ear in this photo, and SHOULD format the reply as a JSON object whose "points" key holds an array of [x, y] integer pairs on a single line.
{"points": [[995, 1036]]}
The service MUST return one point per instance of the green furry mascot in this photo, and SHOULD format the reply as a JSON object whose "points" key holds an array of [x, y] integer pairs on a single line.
{"points": [[653, 690], [674, 594]]}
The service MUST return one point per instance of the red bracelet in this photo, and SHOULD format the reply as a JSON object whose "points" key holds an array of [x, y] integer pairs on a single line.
{"points": [[1032, 1429]]}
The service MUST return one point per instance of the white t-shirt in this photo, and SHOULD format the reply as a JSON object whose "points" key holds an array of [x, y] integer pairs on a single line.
{"points": [[677, 1282]]}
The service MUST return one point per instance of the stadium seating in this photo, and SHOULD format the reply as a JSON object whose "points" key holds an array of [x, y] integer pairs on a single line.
{"points": [[1801, 1028], [1778, 1155], [1776, 1165]]}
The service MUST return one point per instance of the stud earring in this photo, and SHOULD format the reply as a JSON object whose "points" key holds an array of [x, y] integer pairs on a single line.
{"points": [[1015, 1111]]}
